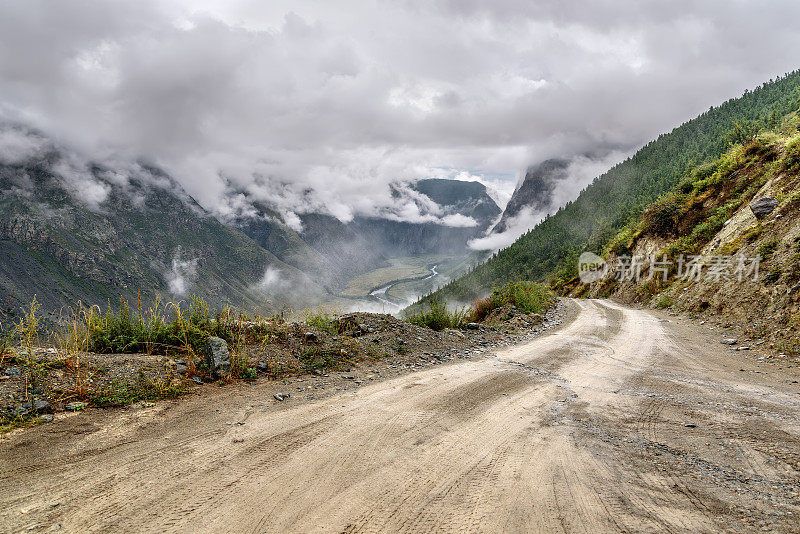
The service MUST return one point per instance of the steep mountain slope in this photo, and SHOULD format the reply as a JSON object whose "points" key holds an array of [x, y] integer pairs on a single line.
{"points": [[607, 205], [536, 190], [346, 252], [71, 230], [727, 242], [326, 249]]}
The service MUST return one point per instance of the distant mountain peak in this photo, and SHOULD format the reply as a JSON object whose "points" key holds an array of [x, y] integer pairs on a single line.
{"points": [[535, 192]]}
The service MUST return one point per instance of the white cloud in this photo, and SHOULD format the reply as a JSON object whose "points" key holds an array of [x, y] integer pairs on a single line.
{"points": [[344, 98], [457, 220], [273, 280], [515, 227], [182, 275], [18, 146]]}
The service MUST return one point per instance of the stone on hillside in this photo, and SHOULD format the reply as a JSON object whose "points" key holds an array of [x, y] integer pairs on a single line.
{"points": [[729, 341], [36, 406], [763, 206], [311, 337], [13, 371], [217, 357]]}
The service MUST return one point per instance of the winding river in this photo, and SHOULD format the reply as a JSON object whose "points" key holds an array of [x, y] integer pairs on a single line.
{"points": [[380, 293]]}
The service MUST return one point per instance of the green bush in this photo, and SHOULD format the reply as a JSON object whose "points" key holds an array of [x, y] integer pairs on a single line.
{"points": [[753, 233], [119, 393], [767, 248], [322, 319], [664, 301], [773, 275], [528, 297], [621, 243], [790, 163], [438, 317], [159, 329], [661, 218]]}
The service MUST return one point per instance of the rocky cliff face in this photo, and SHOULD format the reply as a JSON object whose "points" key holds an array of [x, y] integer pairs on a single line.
{"points": [[536, 190]]}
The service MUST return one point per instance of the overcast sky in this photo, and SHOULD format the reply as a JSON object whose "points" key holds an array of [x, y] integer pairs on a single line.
{"points": [[343, 97]]}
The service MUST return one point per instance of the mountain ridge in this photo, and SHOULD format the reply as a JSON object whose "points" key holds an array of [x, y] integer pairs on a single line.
{"points": [[76, 230], [621, 193]]}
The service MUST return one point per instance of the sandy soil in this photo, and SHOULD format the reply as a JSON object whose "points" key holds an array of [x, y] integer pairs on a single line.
{"points": [[620, 420]]}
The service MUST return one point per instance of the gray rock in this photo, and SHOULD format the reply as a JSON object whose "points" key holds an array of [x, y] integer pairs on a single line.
{"points": [[35, 406], [75, 406], [197, 380], [473, 326], [311, 337], [46, 418], [730, 341], [217, 358], [263, 367], [13, 371], [281, 396], [42, 406], [181, 368], [763, 206]]}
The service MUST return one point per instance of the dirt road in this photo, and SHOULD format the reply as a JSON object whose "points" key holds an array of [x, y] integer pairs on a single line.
{"points": [[582, 430]]}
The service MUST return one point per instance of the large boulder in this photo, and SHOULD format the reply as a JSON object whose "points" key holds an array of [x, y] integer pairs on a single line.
{"points": [[763, 206], [217, 358]]}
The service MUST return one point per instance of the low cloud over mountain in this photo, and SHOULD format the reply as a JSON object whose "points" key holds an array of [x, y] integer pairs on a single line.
{"points": [[283, 98]]}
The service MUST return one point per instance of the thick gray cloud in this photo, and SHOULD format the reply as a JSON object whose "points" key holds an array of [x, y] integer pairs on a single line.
{"points": [[341, 98]]}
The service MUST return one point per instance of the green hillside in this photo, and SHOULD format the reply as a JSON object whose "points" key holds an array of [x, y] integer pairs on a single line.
{"points": [[620, 194]]}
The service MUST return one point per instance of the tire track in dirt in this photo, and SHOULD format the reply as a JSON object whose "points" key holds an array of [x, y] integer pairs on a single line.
{"points": [[579, 430]]}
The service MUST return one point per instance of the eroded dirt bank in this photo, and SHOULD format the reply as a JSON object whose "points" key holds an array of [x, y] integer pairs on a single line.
{"points": [[618, 421]]}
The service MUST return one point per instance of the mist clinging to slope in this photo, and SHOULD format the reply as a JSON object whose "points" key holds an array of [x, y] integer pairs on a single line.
{"points": [[344, 99], [576, 175]]}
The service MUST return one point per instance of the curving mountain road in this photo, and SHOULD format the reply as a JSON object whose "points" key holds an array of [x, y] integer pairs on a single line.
{"points": [[580, 430]]}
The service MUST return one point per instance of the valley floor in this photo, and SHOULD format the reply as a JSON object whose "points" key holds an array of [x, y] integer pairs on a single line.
{"points": [[620, 420]]}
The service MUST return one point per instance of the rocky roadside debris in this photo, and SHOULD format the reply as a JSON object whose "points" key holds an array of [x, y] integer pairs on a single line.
{"points": [[356, 348], [739, 338], [763, 206]]}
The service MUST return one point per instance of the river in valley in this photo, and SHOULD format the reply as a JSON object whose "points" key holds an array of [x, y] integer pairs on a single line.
{"points": [[380, 293]]}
